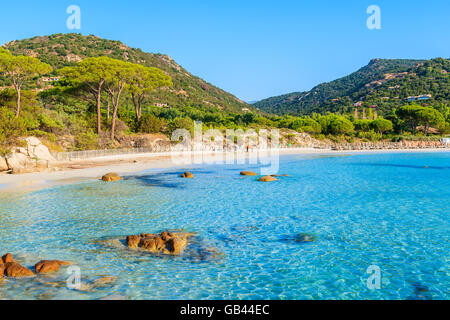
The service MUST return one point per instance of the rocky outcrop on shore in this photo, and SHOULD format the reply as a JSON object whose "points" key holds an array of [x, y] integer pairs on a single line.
{"points": [[34, 157], [3, 164]]}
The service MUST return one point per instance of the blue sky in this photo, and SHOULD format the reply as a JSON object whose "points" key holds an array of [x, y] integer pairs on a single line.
{"points": [[253, 49]]}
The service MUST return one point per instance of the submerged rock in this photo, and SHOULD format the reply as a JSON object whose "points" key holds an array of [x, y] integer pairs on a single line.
{"points": [[207, 254], [133, 242], [267, 179], [47, 266], [187, 175], [103, 281], [165, 242], [305, 237], [111, 177], [248, 173]]}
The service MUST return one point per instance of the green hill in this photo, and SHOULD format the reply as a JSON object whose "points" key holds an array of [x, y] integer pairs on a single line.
{"points": [[384, 83], [61, 50]]}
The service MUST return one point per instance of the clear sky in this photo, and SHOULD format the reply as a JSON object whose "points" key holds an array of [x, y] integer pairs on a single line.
{"points": [[251, 48]]}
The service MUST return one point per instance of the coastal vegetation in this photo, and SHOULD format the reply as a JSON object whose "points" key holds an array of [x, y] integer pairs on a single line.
{"points": [[79, 93]]}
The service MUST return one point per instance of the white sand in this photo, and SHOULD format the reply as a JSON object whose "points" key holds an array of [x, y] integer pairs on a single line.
{"points": [[93, 169]]}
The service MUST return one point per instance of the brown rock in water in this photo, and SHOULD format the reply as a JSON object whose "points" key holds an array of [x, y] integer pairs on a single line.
{"points": [[148, 244], [248, 173], [111, 177], [47, 266], [165, 242], [176, 245], [133, 242], [267, 179], [165, 235], [7, 258], [2, 270], [15, 270], [153, 243], [187, 175], [279, 175]]}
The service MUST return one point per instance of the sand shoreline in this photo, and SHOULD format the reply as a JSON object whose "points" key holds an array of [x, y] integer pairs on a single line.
{"points": [[93, 169]]}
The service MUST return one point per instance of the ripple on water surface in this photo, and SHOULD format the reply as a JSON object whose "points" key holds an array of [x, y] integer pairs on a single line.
{"points": [[385, 210]]}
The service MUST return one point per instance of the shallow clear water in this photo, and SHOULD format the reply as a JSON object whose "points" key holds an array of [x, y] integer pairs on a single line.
{"points": [[384, 210]]}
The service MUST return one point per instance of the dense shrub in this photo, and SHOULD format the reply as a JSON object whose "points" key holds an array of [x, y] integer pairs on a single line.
{"points": [[150, 124], [11, 128]]}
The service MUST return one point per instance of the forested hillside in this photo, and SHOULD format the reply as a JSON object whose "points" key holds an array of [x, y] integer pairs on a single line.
{"points": [[43, 83], [384, 84], [62, 50]]}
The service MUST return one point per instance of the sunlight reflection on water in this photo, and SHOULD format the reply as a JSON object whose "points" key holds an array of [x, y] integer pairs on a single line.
{"points": [[361, 210]]}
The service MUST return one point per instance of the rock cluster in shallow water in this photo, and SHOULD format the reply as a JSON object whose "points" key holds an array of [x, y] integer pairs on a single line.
{"points": [[165, 242], [11, 268], [269, 178]]}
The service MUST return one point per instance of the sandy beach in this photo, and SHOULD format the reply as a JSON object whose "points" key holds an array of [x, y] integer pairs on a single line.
{"points": [[95, 168]]}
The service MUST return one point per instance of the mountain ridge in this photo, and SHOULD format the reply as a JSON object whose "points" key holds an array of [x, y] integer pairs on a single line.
{"points": [[342, 94]]}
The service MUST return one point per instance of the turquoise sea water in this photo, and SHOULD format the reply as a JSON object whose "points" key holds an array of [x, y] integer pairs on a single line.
{"points": [[385, 210]]}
